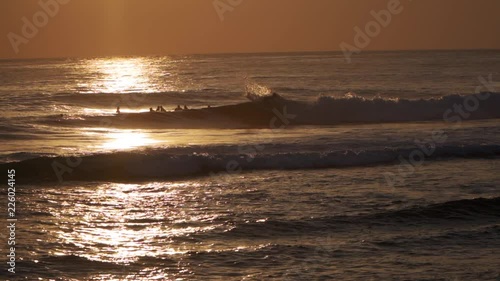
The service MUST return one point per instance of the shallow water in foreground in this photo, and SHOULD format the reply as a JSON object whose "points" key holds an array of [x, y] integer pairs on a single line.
{"points": [[332, 224]]}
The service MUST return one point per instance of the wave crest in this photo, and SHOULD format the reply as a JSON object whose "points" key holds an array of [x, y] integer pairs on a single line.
{"points": [[326, 110], [128, 166]]}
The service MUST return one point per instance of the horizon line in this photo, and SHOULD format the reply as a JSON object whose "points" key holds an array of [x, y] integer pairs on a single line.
{"points": [[248, 53]]}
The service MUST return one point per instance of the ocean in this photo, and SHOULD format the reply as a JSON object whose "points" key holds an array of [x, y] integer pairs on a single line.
{"points": [[296, 166]]}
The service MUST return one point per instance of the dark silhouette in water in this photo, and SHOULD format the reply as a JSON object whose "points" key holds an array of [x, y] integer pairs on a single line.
{"points": [[118, 110], [178, 108], [274, 111], [159, 108]]}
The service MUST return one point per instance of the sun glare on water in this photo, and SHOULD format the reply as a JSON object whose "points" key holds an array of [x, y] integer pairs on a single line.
{"points": [[120, 230], [123, 140], [127, 75], [119, 76]]}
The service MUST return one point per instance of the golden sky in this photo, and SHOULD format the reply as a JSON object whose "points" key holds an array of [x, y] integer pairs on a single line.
{"points": [[160, 27]]}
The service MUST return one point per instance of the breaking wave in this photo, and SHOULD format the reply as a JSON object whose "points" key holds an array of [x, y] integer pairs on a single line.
{"points": [[163, 164], [267, 109]]}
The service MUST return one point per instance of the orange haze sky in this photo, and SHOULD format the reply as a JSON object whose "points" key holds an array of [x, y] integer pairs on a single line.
{"points": [[161, 27]]}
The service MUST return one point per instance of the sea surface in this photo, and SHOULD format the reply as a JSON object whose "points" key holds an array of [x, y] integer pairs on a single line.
{"points": [[295, 166]]}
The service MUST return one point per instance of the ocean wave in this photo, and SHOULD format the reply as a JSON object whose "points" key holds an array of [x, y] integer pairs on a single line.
{"points": [[461, 210], [467, 209], [256, 255], [480, 237], [163, 164], [65, 267], [270, 110]]}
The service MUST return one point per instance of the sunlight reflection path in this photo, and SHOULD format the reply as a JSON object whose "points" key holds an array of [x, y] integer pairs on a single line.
{"points": [[121, 222], [129, 75], [125, 139]]}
